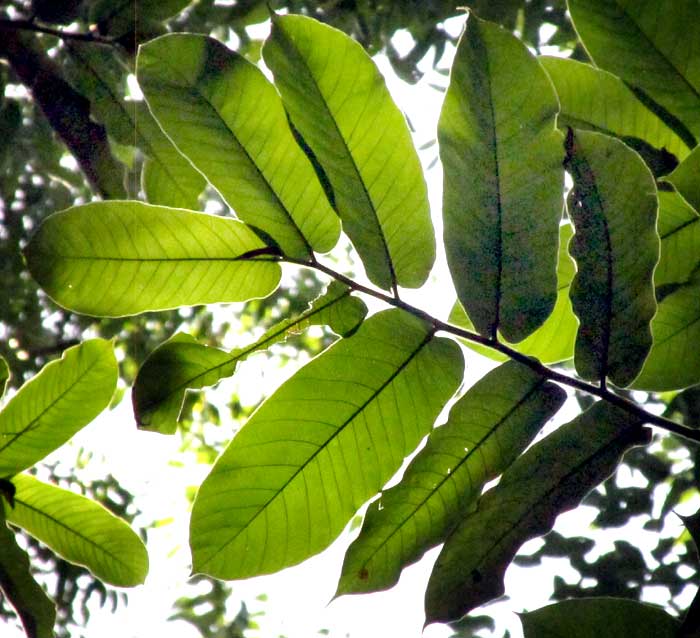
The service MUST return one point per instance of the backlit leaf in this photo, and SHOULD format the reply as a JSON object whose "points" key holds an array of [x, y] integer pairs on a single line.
{"points": [[338, 102], [80, 530], [119, 258], [679, 230], [181, 363], [4, 375], [613, 206], [501, 217], [226, 117], [317, 449], [55, 404], [487, 429], [550, 478], [686, 178]]}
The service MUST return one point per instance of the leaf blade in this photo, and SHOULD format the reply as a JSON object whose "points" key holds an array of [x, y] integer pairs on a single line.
{"points": [[501, 227], [486, 430], [337, 100], [267, 492], [117, 258], [62, 398]]}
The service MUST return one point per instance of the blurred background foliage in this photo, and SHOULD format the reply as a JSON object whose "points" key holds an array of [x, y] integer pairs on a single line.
{"points": [[72, 129]]}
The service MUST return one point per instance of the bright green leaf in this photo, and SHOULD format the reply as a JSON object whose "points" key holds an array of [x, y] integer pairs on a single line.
{"points": [[613, 206], [50, 408], [679, 230], [33, 606], [80, 530], [593, 99], [181, 363], [324, 443], [550, 478], [501, 217], [340, 105], [124, 257], [686, 178], [594, 617], [224, 115], [639, 41], [554, 340], [486, 431], [4, 375], [676, 332]]}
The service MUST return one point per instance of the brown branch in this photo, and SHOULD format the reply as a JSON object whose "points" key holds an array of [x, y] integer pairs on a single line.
{"points": [[67, 111], [30, 25]]}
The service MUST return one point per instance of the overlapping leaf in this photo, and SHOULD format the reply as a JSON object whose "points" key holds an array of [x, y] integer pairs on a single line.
{"points": [[638, 40], [609, 617], [686, 179], [554, 340], [501, 217], [486, 430], [181, 363], [324, 443], [50, 408], [4, 375], [33, 606], [613, 205], [679, 230], [80, 530], [553, 476], [124, 257], [593, 99], [338, 102], [225, 116]]}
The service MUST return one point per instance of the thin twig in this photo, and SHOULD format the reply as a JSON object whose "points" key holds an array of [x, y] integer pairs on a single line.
{"points": [[29, 25], [602, 393]]}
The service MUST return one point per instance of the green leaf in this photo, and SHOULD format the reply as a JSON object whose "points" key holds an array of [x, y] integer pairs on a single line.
{"points": [[225, 116], [676, 333], [124, 257], [338, 102], [686, 178], [679, 230], [501, 218], [486, 431], [168, 178], [324, 443], [593, 617], [595, 100], [181, 363], [550, 478], [4, 375], [60, 400], [554, 340], [638, 40], [33, 606], [613, 206], [80, 530], [118, 17]]}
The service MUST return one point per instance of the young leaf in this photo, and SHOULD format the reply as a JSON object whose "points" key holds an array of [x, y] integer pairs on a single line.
{"points": [[324, 443], [679, 230], [686, 178], [550, 478], [4, 375], [118, 258], [235, 131], [501, 217], [33, 606], [168, 178], [338, 102], [613, 206], [595, 100], [628, 38], [80, 530], [50, 408], [181, 363], [486, 431], [676, 332], [554, 340], [609, 617]]}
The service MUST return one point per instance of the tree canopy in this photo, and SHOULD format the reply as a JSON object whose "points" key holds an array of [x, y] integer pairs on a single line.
{"points": [[570, 195]]}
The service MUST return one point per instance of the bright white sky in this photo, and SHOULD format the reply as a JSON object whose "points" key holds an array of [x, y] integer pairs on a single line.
{"points": [[298, 598]]}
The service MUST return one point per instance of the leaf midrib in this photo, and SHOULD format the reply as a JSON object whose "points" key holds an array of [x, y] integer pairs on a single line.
{"points": [[341, 428]]}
